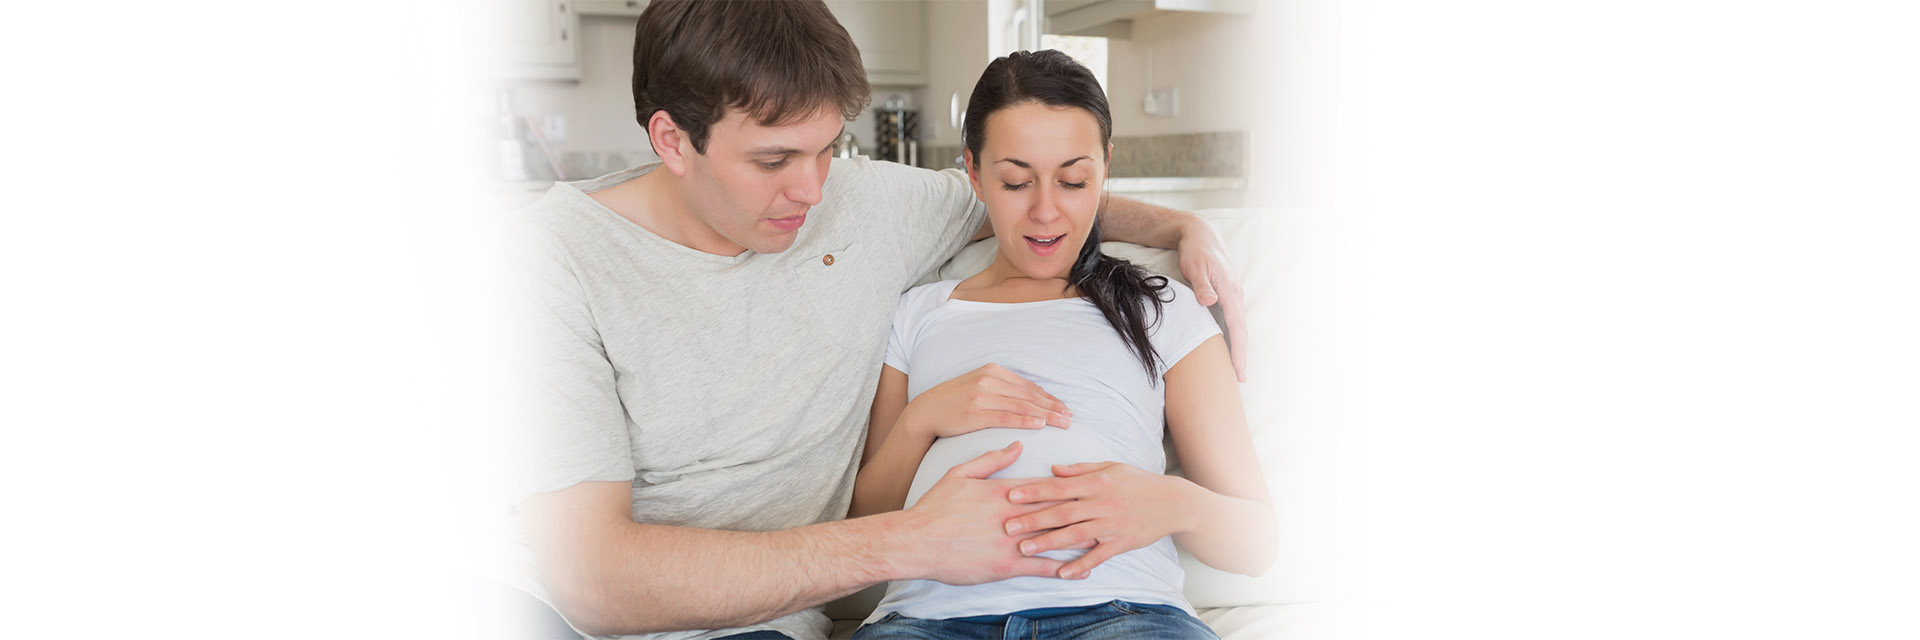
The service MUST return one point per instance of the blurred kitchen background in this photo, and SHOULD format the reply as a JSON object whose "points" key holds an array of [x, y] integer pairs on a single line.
{"points": [[1206, 93]]}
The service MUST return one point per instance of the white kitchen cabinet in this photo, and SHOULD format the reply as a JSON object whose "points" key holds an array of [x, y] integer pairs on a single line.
{"points": [[892, 36], [541, 39], [622, 8]]}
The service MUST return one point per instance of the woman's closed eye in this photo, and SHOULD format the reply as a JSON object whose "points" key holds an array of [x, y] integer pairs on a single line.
{"points": [[1016, 187]]}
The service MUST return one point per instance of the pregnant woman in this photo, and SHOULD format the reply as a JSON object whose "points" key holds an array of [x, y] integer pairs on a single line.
{"points": [[1079, 362]]}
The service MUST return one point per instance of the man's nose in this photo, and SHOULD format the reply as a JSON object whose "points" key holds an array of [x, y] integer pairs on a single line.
{"points": [[806, 189]]}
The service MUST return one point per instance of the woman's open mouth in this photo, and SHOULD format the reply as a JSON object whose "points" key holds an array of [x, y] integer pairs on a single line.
{"points": [[1045, 245]]}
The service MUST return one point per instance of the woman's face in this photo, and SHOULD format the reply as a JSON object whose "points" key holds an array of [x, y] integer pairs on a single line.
{"points": [[1041, 170]]}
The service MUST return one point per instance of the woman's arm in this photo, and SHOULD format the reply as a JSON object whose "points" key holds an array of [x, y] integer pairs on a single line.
{"points": [[899, 433], [1220, 512], [892, 454], [1233, 526]]}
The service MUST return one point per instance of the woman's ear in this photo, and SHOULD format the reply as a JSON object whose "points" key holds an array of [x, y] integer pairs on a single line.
{"points": [[1109, 163], [670, 142], [973, 172]]}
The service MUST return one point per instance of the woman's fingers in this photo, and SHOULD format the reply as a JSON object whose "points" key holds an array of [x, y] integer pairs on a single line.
{"points": [[1023, 388], [1052, 489], [1038, 567], [1054, 517], [1012, 399], [1064, 538], [1083, 566], [988, 419]]}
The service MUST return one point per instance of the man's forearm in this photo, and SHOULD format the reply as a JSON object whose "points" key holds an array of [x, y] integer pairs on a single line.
{"points": [[1129, 220], [646, 578]]}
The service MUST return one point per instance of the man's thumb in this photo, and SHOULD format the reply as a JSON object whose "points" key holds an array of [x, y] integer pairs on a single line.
{"points": [[988, 463]]}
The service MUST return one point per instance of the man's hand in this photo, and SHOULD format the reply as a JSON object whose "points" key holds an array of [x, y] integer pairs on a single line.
{"points": [[1114, 507], [958, 524], [984, 398], [1203, 260]]}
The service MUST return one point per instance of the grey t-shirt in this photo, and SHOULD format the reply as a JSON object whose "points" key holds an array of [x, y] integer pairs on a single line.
{"points": [[732, 391]]}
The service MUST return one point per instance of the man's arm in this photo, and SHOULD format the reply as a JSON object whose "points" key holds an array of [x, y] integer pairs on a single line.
{"points": [[1203, 259], [611, 576]]}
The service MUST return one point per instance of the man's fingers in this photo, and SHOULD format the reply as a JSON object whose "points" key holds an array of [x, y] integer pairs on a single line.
{"points": [[1236, 318], [1083, 566], [1201, 279], [987, 464]]}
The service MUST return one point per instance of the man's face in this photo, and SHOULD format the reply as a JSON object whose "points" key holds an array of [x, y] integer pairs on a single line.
{"points": [[755, 184]]}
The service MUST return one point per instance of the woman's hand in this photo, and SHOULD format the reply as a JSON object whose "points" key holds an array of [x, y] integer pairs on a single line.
{"points": [[1113, 507], [984, 398]]}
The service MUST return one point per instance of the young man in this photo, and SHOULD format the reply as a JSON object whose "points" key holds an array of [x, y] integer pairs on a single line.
{"points": [[709, 330]]}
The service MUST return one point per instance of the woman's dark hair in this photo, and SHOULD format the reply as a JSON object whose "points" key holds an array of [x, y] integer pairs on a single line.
{"points": [[1121, 290], [778, 61]]}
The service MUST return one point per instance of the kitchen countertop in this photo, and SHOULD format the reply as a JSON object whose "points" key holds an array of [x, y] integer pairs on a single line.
{"points": [[1153, 185], [528, 190]]}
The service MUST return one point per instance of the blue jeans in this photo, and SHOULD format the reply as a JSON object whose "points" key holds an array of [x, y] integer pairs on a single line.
{"points": [[1115, 619]]}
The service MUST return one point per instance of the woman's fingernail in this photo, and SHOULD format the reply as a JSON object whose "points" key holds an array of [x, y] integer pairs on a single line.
{"points": [[1026, 548], [1013, 527], [1015, 495]]}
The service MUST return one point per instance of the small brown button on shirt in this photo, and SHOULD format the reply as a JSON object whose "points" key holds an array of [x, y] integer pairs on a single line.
{"points": [[828, 260]]}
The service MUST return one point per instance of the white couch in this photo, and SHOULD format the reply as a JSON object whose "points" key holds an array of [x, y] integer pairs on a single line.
{"points": [[1295, 598]]}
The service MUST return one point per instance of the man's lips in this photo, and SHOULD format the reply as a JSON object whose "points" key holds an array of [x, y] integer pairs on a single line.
{"points": [[788, 224]]}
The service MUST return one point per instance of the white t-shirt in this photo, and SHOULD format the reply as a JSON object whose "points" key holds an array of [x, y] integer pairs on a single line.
{"points": [[1068, 348]]}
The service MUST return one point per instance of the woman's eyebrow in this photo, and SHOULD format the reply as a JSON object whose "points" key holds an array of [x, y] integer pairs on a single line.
{"points": [[1023, 164]]}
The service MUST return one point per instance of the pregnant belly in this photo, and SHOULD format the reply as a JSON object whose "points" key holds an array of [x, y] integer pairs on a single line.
{"points": [[1040, 450]]}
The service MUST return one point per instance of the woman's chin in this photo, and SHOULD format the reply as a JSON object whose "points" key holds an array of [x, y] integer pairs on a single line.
{"points": [[1044, 271]]}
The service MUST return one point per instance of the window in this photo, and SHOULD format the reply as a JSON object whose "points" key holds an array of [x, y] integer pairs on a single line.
{"points": [[1089, 50]]}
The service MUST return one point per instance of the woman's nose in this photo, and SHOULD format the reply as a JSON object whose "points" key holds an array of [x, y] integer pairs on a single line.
{"points": [[1044, 210]]}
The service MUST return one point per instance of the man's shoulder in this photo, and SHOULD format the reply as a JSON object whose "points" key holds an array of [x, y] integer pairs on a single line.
{"points": [[861, 178]]}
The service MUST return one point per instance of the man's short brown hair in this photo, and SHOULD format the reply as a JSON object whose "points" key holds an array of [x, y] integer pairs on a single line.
{"points": [[779, 61]]}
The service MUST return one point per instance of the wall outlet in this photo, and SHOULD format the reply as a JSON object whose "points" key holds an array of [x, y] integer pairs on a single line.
{"points": [[553, 127], [1163, 103]]}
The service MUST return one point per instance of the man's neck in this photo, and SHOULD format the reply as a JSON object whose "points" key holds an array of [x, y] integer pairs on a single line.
{"points": [[657, 203]]}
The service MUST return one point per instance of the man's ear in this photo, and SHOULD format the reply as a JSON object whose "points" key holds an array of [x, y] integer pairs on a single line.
{"points": [[670, 142]]}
